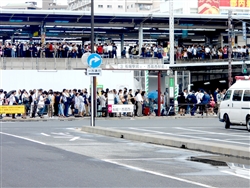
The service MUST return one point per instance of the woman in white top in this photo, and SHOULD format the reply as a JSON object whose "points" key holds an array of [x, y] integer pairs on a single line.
{"points": [[81, 106], [12, 101]]}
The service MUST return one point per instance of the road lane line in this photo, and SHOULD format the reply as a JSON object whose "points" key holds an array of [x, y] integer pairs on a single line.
{"points": [[238, 175], [142, 159], [44, 134], [73, 139], [208, 132], [158, 174], [20, 137], [193, 137]]}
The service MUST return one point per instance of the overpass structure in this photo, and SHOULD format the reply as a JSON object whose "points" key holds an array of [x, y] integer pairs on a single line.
{"points": [[16, 24]]}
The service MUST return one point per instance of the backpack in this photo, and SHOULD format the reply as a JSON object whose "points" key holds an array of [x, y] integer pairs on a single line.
{"points": [[47, 101], [115, 100], [123, 52]]}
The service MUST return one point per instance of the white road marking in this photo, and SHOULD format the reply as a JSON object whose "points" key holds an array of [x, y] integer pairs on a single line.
{"points": [[208, 132], [141, 159], [73, 139], [238, 175], [158, 174], [35, 141], [193, 137], [44, 134], [62, 134]]}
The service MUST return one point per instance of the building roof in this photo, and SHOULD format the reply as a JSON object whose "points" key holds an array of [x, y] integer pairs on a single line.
{"points": [[119, 22]]}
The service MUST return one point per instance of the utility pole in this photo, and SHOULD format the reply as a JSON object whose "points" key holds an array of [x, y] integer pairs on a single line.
{"points": [[171, 30], [93, 79], [230, 36]]}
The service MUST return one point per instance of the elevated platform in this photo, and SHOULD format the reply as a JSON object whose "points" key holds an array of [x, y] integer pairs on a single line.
{"points": [[80, 64], [115, 64]]}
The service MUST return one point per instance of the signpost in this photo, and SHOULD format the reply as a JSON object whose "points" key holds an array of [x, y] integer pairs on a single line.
{"points": [[244, 30], [94, 61]]}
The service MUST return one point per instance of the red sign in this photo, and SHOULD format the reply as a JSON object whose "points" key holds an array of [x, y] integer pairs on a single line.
{"points": [[235, 3], [208, 6]]}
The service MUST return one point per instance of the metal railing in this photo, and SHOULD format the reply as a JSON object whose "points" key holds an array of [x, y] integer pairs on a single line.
{"points": [[34, 63]]}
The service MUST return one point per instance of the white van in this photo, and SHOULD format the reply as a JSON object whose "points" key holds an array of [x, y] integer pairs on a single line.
{"points": [[235, 107]]}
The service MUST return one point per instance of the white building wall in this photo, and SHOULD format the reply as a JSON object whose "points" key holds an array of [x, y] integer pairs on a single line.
{"points": [[58, 80], [180, 6]]}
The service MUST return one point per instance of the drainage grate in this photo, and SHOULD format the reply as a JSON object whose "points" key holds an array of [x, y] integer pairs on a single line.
{"points": [[208, 161]]}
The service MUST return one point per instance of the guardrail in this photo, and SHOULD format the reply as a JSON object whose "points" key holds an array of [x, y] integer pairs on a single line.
{"points": [[65, 63]]}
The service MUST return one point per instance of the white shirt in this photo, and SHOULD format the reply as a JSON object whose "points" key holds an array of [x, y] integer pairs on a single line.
{"points": [[102, 101], [138, 98], [12, 99], [207, 50], [1, 99], [109, 48], [199, 97]]}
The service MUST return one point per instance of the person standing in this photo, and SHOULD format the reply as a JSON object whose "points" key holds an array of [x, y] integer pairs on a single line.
{"points": [[12, 101], [1, 100], [66, 101], [139, 102]]}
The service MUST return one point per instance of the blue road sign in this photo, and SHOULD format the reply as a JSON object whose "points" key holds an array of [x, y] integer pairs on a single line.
{"points": [[94, 60]]}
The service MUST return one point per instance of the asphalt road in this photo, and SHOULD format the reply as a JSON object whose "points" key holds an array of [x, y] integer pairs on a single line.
{"points": [[56, 154]]}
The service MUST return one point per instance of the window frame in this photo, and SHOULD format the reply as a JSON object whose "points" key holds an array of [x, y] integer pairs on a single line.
{"points": [[244, 95], [237, 94]]}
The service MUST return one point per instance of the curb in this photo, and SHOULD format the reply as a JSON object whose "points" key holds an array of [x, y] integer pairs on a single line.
{"points": [[103, 118], [222, 149]]}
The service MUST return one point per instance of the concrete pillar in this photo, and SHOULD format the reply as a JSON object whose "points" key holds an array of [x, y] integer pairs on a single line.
{"points": [[43, 34], [122, 41], [12, 39], [140, 37], [241, 41], [96, 39], [83, 42], [221, 41]]}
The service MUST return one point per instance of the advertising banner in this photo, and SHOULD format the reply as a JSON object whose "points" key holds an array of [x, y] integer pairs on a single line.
{"points": [[208, 6], [235, 3], [15, 109]]}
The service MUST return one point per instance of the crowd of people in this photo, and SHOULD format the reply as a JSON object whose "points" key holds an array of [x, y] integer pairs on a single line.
{"points": [[71, 50], [68, 103], [77, 102], [200, 101], [208, 52]]}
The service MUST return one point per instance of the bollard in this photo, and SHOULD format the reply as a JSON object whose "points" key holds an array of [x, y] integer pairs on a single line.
{"points": [[175, 99], [45, 65], [54, 63], [36, 63], [23, 63]]}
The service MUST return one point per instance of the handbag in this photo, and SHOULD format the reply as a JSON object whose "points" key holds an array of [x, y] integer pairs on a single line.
{"points": [[76, 111]]}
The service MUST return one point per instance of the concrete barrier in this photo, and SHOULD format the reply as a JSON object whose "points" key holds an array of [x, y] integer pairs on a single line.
{"points": [[216, 148], [7, 63]]}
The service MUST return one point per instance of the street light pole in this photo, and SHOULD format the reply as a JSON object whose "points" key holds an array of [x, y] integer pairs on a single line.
{"points": [[230, 35], [93, 85]]}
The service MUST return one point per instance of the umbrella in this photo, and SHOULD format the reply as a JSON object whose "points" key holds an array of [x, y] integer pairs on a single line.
{"points": [[153, 95], [9, 93]]}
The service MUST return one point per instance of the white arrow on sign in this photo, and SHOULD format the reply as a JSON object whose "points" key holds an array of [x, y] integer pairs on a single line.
{"points": [[95, 59]]}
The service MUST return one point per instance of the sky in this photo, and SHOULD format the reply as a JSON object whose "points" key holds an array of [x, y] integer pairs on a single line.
{"points": [[39, 2]]}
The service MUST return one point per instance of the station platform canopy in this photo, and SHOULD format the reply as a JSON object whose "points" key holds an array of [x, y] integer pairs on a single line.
{"points": [[77, 23]]}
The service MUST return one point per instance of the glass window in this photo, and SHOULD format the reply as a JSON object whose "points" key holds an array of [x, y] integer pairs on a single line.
{"points": [[100, 6], [246, 96], [228, 95], [237, 95], [120, 6], [109, 6]]}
